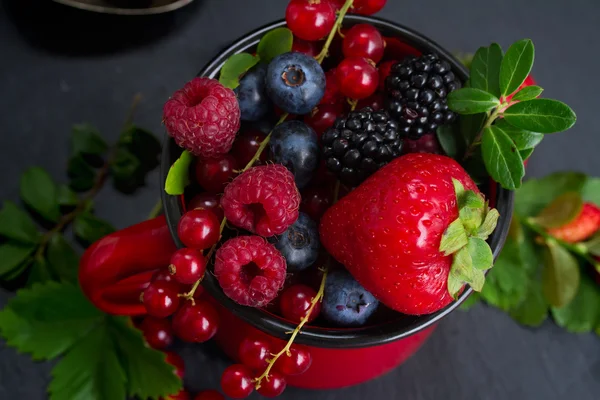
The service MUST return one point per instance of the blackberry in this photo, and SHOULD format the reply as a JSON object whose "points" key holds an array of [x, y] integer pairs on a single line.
{"points": [[416, 94], [359, 144]]}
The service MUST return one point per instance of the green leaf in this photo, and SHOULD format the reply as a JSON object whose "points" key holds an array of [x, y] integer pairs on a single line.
{"points": [[583, 313], [564, 209], [471, 101], [235, 67], [489, 224], [18, 271], [516, 66], [533, 310], [81, 174], [501, 158], [91, 370], [125, 164], [178, 178], [472, 211], [485, 69], [14, 253], [39, 272], [560, 277], [38, 191], [591, 190], [453, 238], [47, 319], [528, 201], [85, 139], [143, 145], [481, 254], [63, 260], [17, 225], [528, 93], [523, 139], [148, 374], [65, 196], [90, 228], [461, 272], [451, 140], [459, 191], [525, 154], [541, 115], [274, 43]]}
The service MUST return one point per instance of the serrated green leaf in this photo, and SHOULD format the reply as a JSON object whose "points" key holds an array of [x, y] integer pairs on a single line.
{"points": [[38, 191], [451, 140], [453, 238], [65, 196], [485, 69], [471, 101], [471, 211], [489, 224], [533, 310], [541, 115], [38, 272], [461, 272], [236, 66], [516, 65], [85, 139], [582, 314], [560, 276], [274, 43], [481, 254], [81, 174], [12, 254], [502, 160], [528, 93], [178, 178], [62, 259], [562, 210], [90, 228], [148, 374], [17, 225], [523, 139], [528, 201], [591, 190]]}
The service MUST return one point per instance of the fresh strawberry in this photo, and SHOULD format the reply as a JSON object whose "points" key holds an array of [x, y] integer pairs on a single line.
{"points": [[581, 228], [400, 235]]}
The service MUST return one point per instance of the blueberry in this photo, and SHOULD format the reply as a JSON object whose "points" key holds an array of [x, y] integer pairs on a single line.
{"points": [[345, 301], [295, 82], [295, 145], [251, 94], [299, 244]]}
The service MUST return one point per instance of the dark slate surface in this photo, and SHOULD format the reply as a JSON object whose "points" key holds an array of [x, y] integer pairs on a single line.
{"points": [[60, 67]]}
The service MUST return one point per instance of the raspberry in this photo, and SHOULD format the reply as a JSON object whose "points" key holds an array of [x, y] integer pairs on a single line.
{"points": [[250, 270], [203, 117], [263, 200], [428, 143]]}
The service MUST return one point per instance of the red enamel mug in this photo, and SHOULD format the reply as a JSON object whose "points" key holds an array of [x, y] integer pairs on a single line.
{"points": [[115, 270]]}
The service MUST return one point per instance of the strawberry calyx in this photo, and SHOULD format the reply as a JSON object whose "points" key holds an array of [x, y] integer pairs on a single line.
{"points": [[465, 239]]}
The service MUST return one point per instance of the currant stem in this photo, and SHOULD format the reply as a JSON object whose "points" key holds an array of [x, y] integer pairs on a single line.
{"points": [[334, 30]]}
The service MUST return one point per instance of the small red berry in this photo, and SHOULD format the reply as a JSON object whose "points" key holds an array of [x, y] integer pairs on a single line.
{"points": [[213, 174], [375, 102], [272, 386], [323, 117], [161, 298], [385, 69], [296, 301], [158, 332], [175, 360], [297, 363], [199, 229], [246, 146], [236, 381], [309, 19], [182, 395], [209, 395], [207, 201], [254, 353], [364, 40], [357, 78], [187, 265], [163, 274], [332, 91], [196, 322], [368, 7], [306, 47], [315, 201]]}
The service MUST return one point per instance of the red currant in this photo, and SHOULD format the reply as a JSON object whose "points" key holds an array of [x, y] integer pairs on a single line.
{"points": [[385, 69], [273, 386], [236, 381], [161, 298], [163, 274], [323, 117], [207, 201], [254, 353], [303, 46], [375, 102], [182, 395], [158, 332], [213, 174], [297, 363], [368, 7], [175, 360], [315, 201], [246, 145], [364, 40], [310, 19], [295, 302], [332, 91], [187, 265], [209, 395], [357, 78], [199, 229], [196, 322]]}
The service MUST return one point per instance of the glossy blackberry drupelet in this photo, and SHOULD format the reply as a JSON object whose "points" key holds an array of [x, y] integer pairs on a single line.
{"points": [[252, 95], [416, 91], [345, 301], [299, 245], [359, 144]]}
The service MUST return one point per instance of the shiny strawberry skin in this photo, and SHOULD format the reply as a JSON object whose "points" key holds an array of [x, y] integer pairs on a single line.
{"points": [[387, 232]]}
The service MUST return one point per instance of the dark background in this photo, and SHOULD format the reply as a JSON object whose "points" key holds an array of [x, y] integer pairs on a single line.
{"points": [[59, 67]]}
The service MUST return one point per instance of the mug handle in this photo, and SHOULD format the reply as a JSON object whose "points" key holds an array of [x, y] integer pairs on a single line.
{"points": [[115, 270]]}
